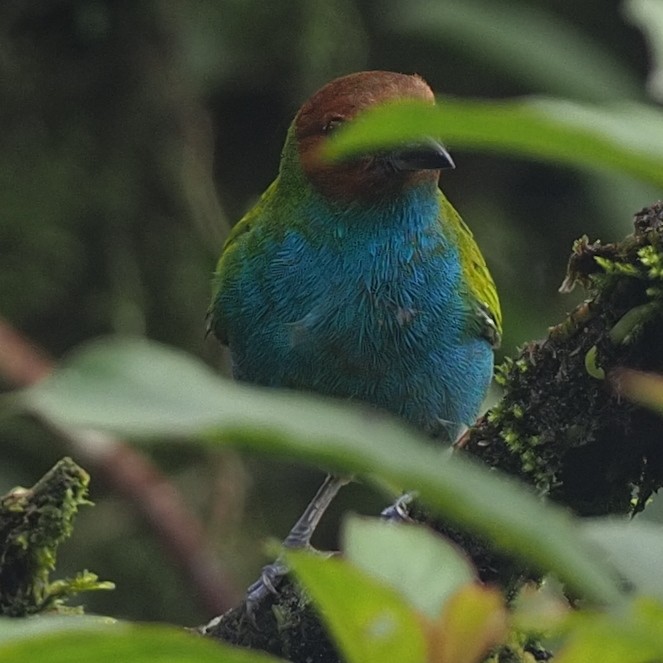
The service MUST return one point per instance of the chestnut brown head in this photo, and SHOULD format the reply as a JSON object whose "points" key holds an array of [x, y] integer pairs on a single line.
{"points": [[372, 175]]}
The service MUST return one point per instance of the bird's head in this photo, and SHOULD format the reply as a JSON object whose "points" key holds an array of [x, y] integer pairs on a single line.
{"points": [[372, 175]]}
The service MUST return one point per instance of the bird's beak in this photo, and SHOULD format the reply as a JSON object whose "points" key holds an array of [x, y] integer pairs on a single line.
{"points": [[428, 155]]}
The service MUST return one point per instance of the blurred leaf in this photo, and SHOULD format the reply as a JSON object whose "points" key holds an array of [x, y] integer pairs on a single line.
{"points": [[634, 548], [643, 388], [473, 622], [624, 137], [370, 622], [12, 629], [141, 388], [626, 636], [648, 16], [421, 565], [136, 387], [74, 640], [525, 42], [540, 608]]}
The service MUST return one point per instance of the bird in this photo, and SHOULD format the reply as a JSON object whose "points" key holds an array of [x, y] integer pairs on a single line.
{"points": [[357, 279]]}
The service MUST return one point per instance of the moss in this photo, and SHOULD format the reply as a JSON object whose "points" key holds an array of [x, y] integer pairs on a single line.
{"points": [[562, 425], [33, 523], [285, 625]]}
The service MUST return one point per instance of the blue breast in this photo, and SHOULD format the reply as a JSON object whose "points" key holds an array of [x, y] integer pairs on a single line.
{"points": [[369, 308]]}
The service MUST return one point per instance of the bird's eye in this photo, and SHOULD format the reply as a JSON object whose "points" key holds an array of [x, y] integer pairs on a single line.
{"points": [[331, 125]]}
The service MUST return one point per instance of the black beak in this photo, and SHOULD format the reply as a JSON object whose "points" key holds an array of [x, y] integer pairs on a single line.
{"points": [[429, 155]]}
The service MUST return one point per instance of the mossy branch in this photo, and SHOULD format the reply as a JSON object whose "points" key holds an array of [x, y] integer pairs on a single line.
{"points": [[562, 425], [33, 523]]}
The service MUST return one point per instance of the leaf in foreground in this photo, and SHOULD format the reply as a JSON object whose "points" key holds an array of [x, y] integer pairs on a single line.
{"points": [[633, 548], [424, 567], [633, 634], [625, 137], [70, 640], [140, 388], [368, 620]]}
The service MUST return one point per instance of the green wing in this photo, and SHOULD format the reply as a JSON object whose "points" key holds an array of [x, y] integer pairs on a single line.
{"points": [[481, 287], [246, 222], [228, 261]]}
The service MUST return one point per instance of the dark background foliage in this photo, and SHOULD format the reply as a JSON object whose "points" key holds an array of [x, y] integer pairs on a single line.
{"points": [[133, 134]]}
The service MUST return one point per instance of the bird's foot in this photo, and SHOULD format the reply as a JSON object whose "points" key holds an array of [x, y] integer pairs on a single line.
{"points": [[270, 578], [299, 538], [268, 582], [398, 512]]}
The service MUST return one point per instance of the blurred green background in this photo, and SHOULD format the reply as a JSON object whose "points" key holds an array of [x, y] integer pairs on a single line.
{"points": [[135, 133]]}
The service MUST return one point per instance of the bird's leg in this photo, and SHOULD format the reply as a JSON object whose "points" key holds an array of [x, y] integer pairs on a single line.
{"points": [[302, 531], [446, 430], [398, 512], [299, 537]]}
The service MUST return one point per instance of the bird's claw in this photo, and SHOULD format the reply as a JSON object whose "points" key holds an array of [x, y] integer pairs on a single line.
{"points": [[270, 578], [398, 512]]}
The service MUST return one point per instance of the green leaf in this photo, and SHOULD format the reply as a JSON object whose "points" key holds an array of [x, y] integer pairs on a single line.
{"points": [[648, 16], [421, 565], [15, 629], [370, 622], [631, 635], [626, 137], [526, 43], [135, 387], [634, 548], [68, 640], [140, 388]]}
